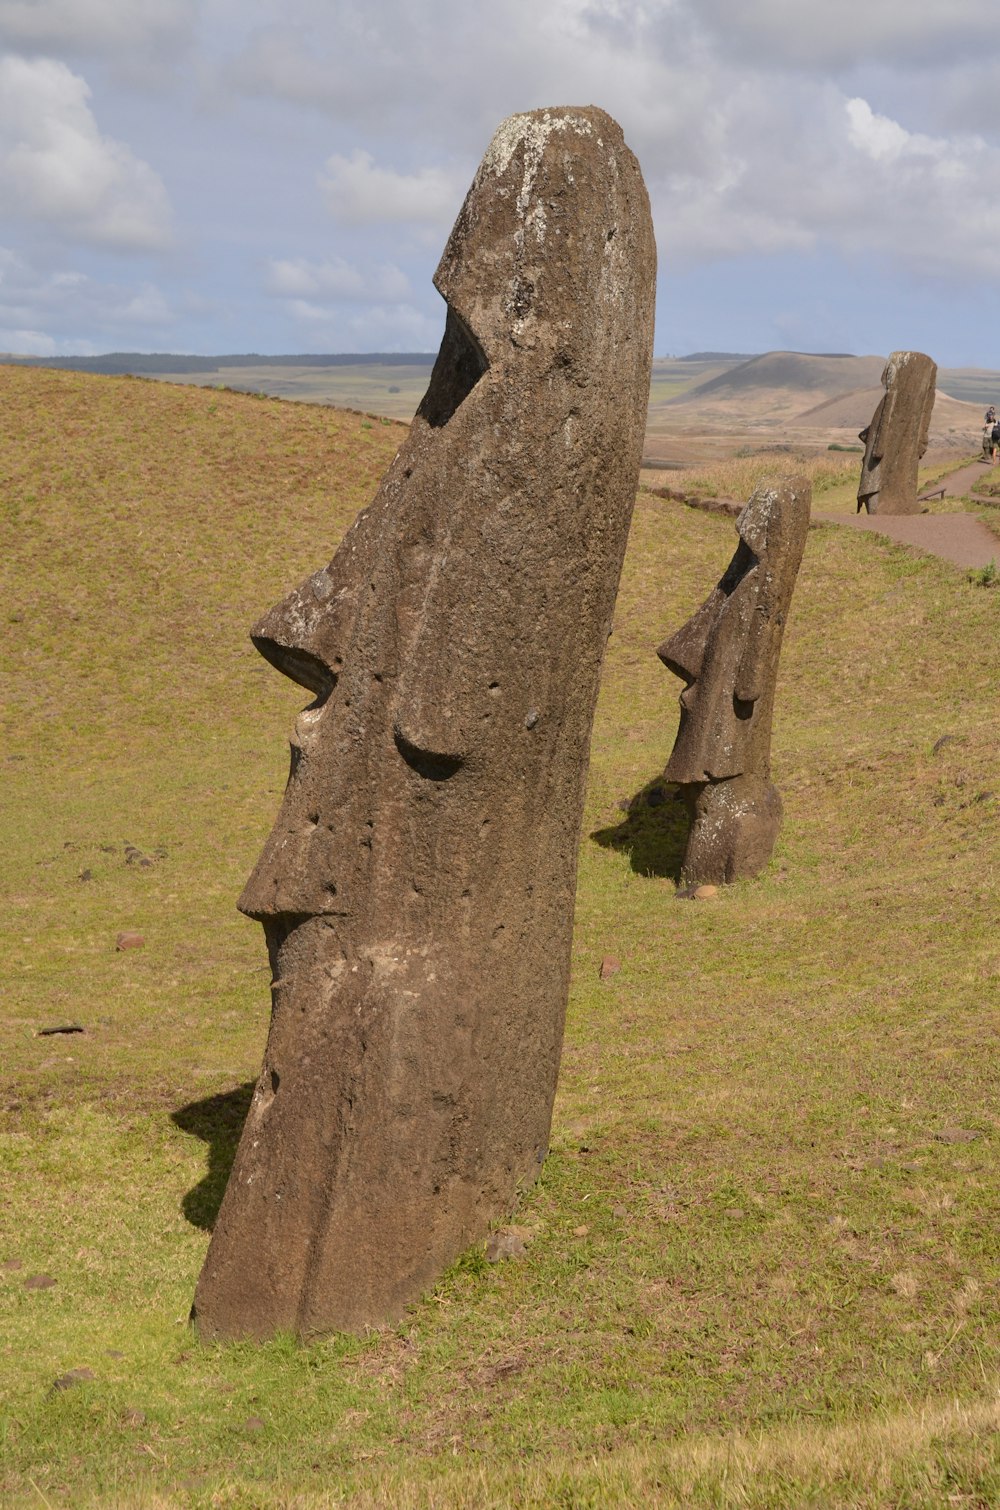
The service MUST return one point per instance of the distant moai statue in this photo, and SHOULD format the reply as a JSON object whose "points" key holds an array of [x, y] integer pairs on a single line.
{"points": [[896, 439], [417, 889], [727, 654]]}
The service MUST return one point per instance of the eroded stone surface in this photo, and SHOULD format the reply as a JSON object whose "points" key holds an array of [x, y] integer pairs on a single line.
{"points": [[727, 656], [896, 439], [417, 889]]}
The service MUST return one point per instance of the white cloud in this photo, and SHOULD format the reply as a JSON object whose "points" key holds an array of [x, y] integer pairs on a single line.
{"points": [[146, 307], [877, 136], [333, 302], [806, 168], [886, 141], [56, 167], [372, 327], [450, 74], [66, 311], [779, 34], [25, 343], [359, 192], [334, 278], [866, 132], [121, 28]]}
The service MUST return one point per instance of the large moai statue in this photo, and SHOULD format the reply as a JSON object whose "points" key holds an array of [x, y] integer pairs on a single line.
{"points": [[417, 889], [727, 655], [896, 439]]}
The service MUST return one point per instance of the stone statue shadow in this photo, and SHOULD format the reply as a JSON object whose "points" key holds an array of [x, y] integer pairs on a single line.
{"points": [[653, 832], [218, 1121]]}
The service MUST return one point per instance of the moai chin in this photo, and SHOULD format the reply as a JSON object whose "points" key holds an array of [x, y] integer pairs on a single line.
{"points": [[896, 439], [727, 656], [417, 889]]}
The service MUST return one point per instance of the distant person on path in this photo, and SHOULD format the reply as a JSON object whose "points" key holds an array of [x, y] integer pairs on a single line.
{"points": [[991, 442], [991, 415]]}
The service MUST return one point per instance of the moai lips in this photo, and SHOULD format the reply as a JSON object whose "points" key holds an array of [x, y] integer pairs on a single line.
{"points": [[416, 892], [727, 655], [896, 439]]}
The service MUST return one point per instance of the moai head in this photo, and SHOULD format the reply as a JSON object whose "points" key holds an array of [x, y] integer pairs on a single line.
{"points": [[896, 438], [417, 888], [727, 652], [434, 639]]}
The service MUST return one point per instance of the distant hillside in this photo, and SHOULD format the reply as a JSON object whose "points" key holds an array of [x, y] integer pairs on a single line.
{"points": [[718, 356], [788, 372], [973, 385], [728, 392], [151, 364], [852, 411]]}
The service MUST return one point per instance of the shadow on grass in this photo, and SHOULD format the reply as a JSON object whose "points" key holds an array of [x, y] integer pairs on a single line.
{"points": [[218, 1121], [654, 831]]}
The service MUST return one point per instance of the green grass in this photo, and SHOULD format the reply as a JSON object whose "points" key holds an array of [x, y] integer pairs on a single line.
{"points": [[756, 1273]]}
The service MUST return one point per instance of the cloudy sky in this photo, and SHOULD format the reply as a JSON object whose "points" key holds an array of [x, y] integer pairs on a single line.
{"points": [[280, 175]]}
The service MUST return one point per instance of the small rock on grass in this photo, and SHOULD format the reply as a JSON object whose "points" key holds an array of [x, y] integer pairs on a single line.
{"points": [[609, 966], [39, 1282], [132, 1417], [504, 1244], [956, 1135], [128, 939], [580, 1231], [74, 1376], [705, 893]]}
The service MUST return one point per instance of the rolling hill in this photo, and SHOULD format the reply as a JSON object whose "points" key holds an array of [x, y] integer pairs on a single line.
{"points": [[760, 1265]]}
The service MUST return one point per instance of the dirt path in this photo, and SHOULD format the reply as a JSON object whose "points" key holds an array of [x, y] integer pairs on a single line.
{"points": [[954, 537], [963, 482]]}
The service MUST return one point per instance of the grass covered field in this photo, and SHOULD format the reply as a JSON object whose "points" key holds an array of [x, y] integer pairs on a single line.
{"points": [[763, 1258]]}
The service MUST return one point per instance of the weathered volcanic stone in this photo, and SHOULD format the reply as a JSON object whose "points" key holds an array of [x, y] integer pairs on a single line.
{"points": [[727, 654], [897, 436], [417, 889]]}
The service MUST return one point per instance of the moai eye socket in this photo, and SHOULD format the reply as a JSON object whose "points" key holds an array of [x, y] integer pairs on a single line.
{"points": [[460, 364]]}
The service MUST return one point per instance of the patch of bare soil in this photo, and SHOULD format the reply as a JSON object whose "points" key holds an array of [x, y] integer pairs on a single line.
{"points": [[958, 538]]}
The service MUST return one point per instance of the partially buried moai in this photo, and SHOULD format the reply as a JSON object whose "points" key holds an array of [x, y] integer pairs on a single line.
{"points": [[896, 439], [417, 889], [727, 655]]}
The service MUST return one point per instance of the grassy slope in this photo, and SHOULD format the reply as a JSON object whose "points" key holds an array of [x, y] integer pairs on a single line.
{"points": [[747, 1224]]}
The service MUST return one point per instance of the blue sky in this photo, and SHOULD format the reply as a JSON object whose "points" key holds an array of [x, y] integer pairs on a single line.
{"points": [[281, 175]]}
